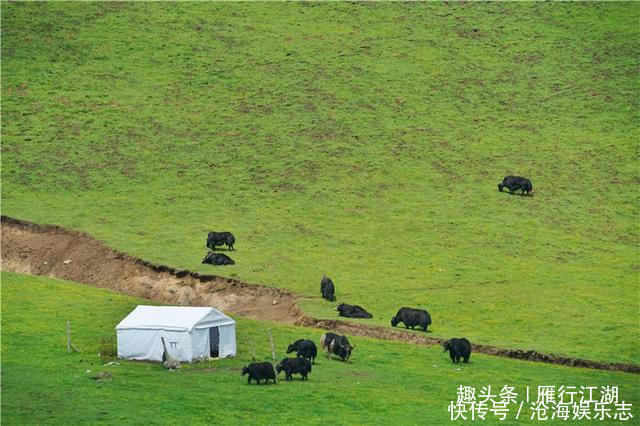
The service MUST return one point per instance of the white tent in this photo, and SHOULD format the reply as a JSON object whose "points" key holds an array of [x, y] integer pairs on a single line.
{"points": [[189, 333]]}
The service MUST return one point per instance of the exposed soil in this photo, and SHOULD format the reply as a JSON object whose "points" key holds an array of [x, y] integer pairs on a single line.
{"points": [[43, 249], [53, 251]]}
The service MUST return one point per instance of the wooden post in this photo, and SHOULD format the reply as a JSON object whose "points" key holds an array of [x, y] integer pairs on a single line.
{"points": [[68, 336], [273, 348]]}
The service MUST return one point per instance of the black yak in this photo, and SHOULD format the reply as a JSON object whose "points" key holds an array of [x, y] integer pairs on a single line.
{"points": [[458, 348], [220, 238], [411, 318], [259, 371], [294, 366], [352, 311], [337, 345], [304, 349], [327, 289], [514, 183], [218, 259]]}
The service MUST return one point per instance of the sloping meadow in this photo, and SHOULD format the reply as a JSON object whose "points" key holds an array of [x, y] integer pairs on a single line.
{"points": [[385, 381], [361, 140]]}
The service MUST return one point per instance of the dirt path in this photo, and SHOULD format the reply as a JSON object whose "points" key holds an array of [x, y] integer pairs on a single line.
{"points": [[34, 249]]}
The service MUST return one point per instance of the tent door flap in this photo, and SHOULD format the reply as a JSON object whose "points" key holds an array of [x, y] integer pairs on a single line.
{"points": [[214, 342]]}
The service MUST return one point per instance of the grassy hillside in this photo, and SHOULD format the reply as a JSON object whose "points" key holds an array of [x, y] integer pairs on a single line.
{"points": [[361, 140], [401, 383]]}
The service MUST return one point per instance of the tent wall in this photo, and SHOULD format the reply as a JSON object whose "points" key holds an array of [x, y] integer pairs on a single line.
{"points": [[147, 345], [200, 343], [227, 340]]}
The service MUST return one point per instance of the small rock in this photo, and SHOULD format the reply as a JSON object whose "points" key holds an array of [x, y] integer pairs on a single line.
{"points": [[66, 262], [275, 302]]}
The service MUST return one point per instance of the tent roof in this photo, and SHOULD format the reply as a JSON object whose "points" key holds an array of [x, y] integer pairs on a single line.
{"points": [[177, 318]]}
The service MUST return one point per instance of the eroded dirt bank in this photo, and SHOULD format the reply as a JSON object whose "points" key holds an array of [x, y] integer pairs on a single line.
{"points": [[56, 252]]}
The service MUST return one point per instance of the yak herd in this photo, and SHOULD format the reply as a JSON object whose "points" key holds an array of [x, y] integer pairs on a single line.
{"points": [[334, 344], [306, 352]]}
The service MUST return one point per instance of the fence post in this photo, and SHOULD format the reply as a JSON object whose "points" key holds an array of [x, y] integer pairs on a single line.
{"points": [[68, 336], [253, 351], [273, 348]]}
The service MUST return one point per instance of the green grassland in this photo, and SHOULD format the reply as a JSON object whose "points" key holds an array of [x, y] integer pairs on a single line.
{"points": [[386, 382], [362, 140]]}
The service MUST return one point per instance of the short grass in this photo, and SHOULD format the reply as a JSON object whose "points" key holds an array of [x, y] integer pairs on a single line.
{"points": [[364, 140], [386, 382]]}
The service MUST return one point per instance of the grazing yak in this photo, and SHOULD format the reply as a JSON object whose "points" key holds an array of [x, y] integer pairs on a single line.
{"points": [[218, 259], [411, 318], [458, 348], [259, 371], [220, 238], [352, 311], [304, 349], [327, 289], [294, 366], [514, 183], [337, 345]]}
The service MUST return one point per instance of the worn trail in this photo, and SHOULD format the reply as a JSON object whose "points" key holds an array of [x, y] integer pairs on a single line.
{"points": [[34, 249]]}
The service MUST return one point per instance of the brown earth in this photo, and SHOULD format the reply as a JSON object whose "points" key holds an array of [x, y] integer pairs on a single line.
{"points": [[56, 252], [43, 249]]}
